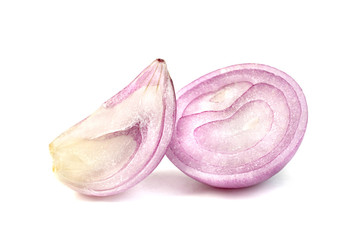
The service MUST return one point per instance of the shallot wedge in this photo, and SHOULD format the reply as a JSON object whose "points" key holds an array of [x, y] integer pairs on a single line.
{"points": [[121, 142], [238, 126]]}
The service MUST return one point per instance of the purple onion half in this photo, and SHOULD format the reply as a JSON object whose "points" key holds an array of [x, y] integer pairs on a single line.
{"points": [[238, 126], [121, 142]]}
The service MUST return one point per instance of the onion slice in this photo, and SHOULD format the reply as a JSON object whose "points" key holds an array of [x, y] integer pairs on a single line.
{"points": [[238, 126], [121, 142]]}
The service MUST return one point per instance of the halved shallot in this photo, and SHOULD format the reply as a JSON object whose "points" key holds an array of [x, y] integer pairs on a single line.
{"points": [[238, 126], [123, 141]]}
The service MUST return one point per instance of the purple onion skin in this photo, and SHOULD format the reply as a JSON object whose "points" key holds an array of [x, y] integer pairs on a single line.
{"points": [[123, 141], [238, 126]]}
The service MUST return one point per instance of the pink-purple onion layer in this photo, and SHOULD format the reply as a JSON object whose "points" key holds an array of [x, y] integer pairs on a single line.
{"points": [[238, 126]]}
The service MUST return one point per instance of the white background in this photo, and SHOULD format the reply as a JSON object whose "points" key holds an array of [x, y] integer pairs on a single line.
{"points": [[59, 60]]}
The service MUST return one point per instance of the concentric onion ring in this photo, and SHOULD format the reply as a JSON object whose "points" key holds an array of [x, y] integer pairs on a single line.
{"points": [[238, 126]]}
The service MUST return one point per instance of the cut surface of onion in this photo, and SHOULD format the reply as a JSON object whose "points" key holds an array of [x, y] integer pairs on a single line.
{"points": [[238, 126], [122, 141]]}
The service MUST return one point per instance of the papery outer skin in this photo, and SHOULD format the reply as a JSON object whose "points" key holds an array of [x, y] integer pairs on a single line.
{"points": [[222, 175], [155, 80]]}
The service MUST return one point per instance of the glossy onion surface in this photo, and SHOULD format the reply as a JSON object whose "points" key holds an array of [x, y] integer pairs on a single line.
{"points": [[238, 126], [121, 142]]}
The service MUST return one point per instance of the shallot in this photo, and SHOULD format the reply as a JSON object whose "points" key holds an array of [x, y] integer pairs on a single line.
{"points": [[121, 142], [238, 126]]}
